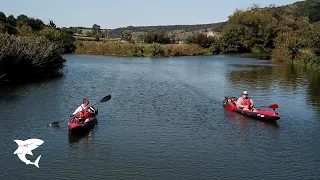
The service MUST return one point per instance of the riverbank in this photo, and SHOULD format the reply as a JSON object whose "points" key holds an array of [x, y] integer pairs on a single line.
{"points": [[126, 49], [305, 58]]}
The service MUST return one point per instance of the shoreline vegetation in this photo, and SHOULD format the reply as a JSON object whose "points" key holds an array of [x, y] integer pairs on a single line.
{"points": [[30, 49], [28, 57], [126, 49]]}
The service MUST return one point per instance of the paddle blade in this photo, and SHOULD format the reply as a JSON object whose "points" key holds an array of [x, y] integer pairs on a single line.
{"points": [[231, 108], [273, 106], [54, 124], [107, 98]]}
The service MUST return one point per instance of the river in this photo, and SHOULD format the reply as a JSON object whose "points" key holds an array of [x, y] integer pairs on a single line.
{"points": [[165, 120]]}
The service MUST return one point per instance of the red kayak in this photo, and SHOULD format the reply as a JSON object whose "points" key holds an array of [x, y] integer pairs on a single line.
{"points": [[80, 127], [262, 114]]}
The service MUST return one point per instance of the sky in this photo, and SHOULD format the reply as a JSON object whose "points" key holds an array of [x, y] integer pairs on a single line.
{"points": [[121, 13]]}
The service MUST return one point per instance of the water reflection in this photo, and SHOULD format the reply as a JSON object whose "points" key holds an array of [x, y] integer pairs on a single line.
{"points": [[313, 91], [83, 140], [264, 76], [259, 56], [35, 81]]}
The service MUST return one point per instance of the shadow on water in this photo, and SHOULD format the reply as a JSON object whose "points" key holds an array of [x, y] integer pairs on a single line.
{"points": [[259, 56], [15, 91], [84, 138], [34, 80]]}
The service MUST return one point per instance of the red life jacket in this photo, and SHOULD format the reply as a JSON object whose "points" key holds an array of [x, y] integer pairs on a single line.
{"points": [[84, 114], [246, 102]]}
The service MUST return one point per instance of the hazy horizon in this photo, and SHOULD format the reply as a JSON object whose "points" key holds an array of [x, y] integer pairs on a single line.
{"points": [[112, 15]]}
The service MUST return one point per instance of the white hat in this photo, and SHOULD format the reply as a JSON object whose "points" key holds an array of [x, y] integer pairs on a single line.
{"points": [[245, 92]]}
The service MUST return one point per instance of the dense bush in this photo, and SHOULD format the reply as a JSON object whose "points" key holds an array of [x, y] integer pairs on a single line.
{"points": [[22, 58], [274, 30], [137, 50]]}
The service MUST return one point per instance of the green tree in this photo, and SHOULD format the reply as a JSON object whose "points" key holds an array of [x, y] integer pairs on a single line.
{"points": [[3, 28], [162, 37], [66, 40], [190, 39], [50, 33], [3, 18], [170, 36], [22, 20], [311, 38], [95, 29], [11, 20], [51, 24], [63, 37], [233, 39], [80, 31], [149, 37], [141, 38], [7, 24], [11, 29], [258, 26], [74, 29], [25, 30], [89, 34], [35, 24], [105, 33], [126, 35], [203, 41]]}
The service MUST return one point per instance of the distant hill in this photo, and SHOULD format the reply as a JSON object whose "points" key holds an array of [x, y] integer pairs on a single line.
{"points": [[180, 32], [309, 8], [214, 26]]}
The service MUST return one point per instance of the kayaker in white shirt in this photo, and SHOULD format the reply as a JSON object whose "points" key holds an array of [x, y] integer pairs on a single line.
{"points": [[245, 103], [83, 106], [80, 111]]}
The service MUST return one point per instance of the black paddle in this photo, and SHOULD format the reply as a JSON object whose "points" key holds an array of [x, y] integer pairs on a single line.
{"points": [[106, 98]]}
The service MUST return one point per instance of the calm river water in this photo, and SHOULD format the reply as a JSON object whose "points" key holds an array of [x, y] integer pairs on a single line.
{"points": [[165, 120]]}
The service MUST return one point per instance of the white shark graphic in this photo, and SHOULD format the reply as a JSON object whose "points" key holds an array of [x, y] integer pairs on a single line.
{"points": [[26, 147]]}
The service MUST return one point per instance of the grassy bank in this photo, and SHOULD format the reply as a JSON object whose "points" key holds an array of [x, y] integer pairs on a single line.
{"points": [[306, 58], [137, 50], [23, 58]]}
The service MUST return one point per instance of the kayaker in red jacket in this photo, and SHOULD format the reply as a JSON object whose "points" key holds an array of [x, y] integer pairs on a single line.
{"points": [[82, 111], [244, 102]]}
